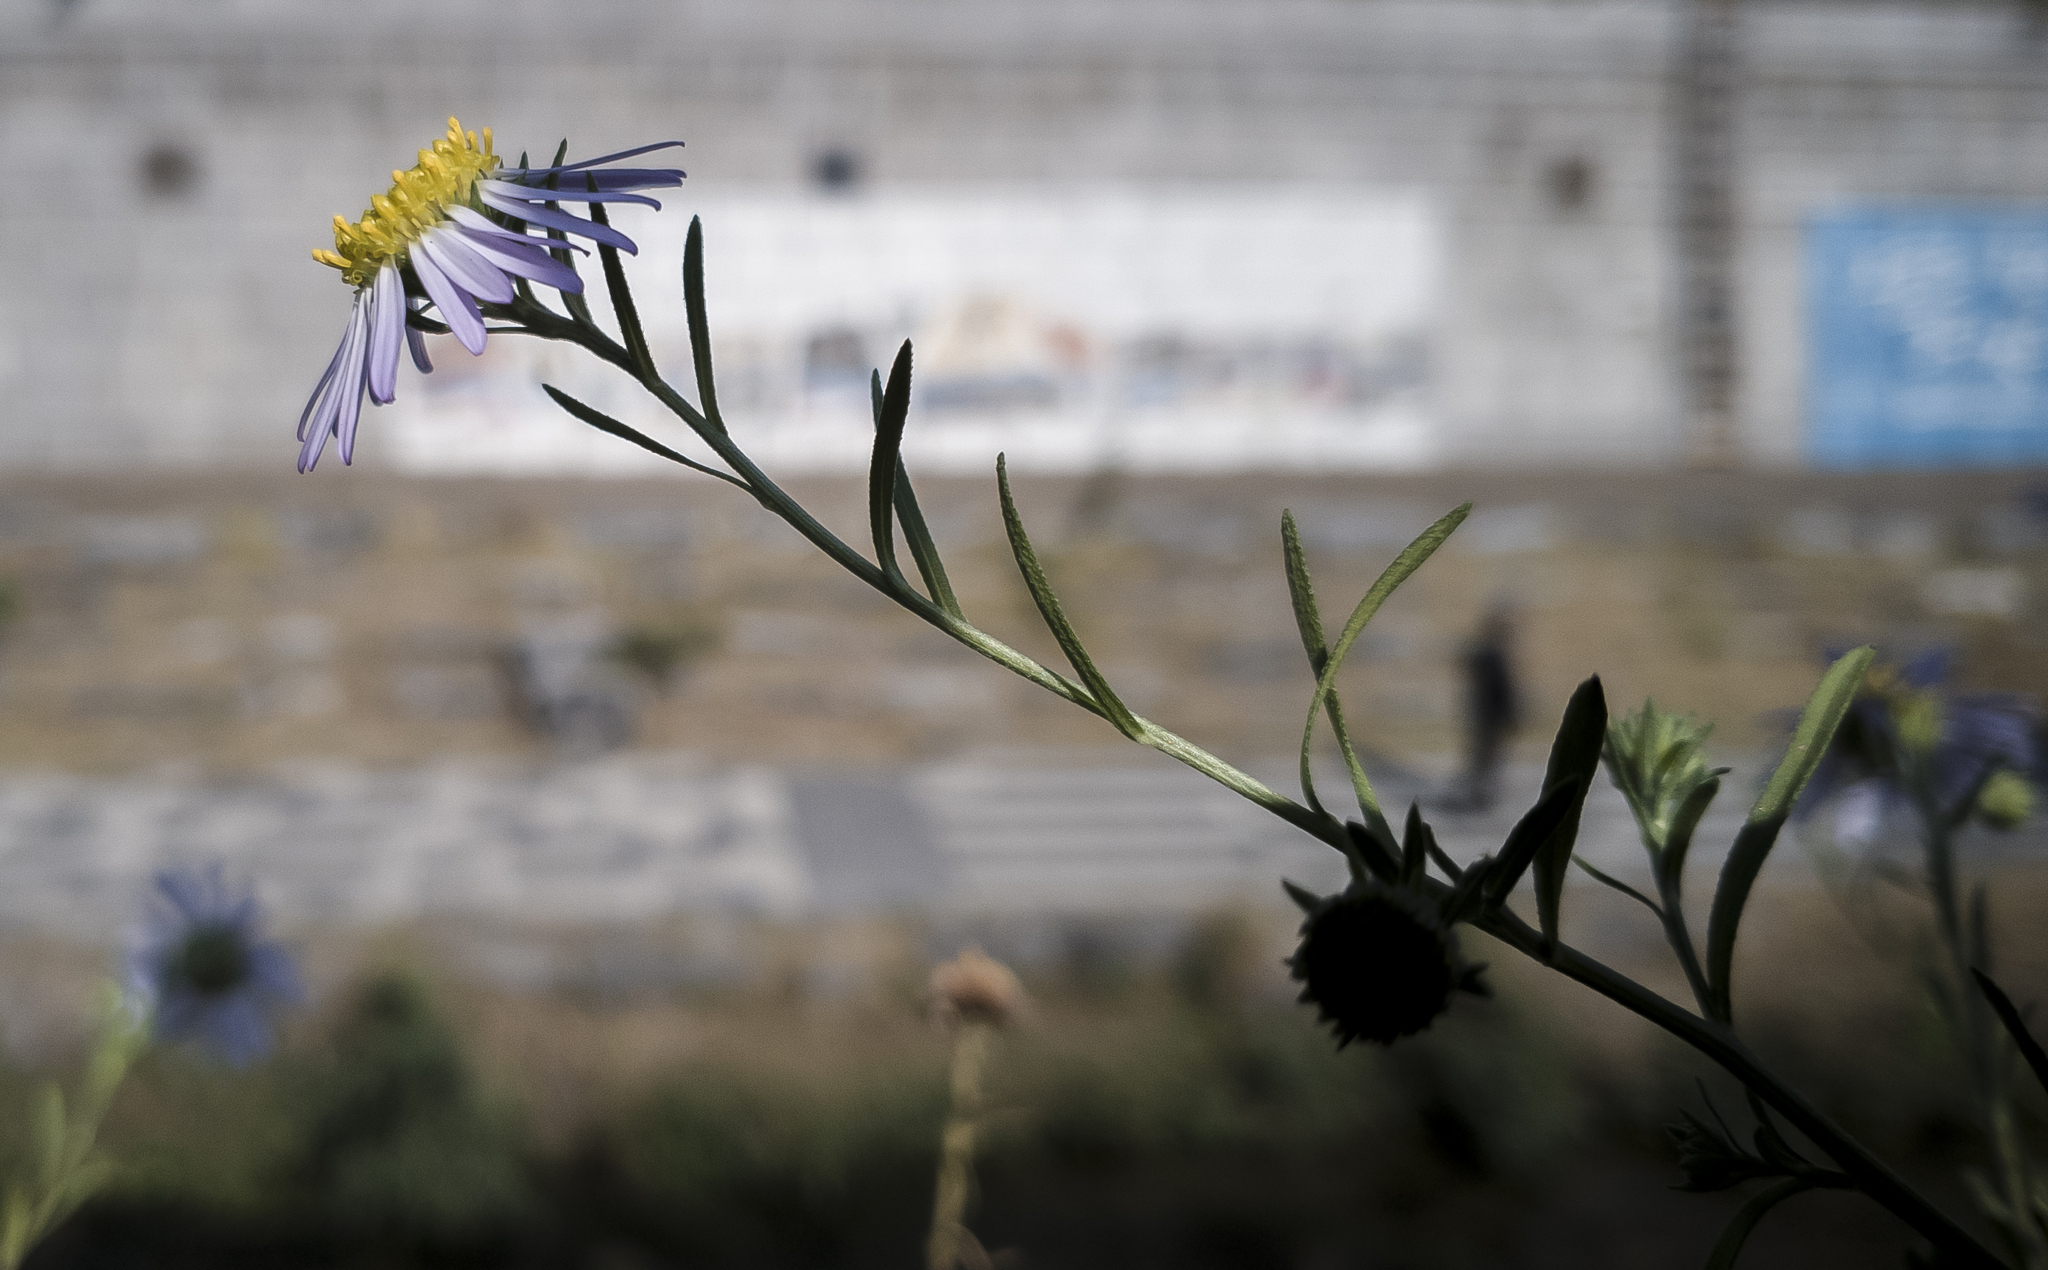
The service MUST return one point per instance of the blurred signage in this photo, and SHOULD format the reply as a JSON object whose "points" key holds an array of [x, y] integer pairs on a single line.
{"points": [[1153, 330], [1928, 338]]}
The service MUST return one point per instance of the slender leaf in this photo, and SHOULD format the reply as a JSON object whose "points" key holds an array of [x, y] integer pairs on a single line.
{"points": [[915, 532], [1407, 562], [1106, 702], [1469, 893], [622, 295], [700, 328], [1737, 1231], [923, 550], [1817, 724], [1304, 899], [1415, 838], [2015, 1027], [1529, 835], [579, 308], [1617, 884], [1671, 864], [1980, 929], [1770, 1143], [887, 465], [1376, 845], [1308, 620], [1444, 862], [1574, 757], [605, 423]]}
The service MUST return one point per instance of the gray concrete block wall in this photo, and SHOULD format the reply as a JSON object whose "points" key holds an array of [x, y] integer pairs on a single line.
{"points": [[184, 330]]}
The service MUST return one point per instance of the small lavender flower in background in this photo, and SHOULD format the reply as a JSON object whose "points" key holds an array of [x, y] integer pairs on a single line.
{"points": [[202, 970], [1905, 729], [451, 232]]}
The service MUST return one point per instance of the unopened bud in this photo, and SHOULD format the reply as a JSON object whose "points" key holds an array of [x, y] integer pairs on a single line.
{"points": [[2006, 800]]}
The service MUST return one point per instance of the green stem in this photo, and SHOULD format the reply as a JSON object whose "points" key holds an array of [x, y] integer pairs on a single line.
{"points": [[1714, 1040], [1711, 1039]]}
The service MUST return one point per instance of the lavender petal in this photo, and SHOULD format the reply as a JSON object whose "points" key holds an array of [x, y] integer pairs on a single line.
{"points": [[346, 385], [528, 261], [416, 344], [623, 154], [507, 189], [387, 321], [475, 223], [326, 377], [453, 303], [465, 268], [352, 400], [554, 219]]}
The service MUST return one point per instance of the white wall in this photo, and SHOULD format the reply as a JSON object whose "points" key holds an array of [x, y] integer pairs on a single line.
{"points": [[186, 330]]}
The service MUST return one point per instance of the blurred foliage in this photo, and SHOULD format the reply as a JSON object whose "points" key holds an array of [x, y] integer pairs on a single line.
{"points": [[1180, 1113], [657, 652]]}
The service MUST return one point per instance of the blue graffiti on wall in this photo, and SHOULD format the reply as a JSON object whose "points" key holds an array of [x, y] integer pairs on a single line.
{"points": [[1928, 338]]}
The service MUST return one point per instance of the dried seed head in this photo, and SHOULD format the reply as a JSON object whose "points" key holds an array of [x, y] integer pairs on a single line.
{"points": [[976, 988]]}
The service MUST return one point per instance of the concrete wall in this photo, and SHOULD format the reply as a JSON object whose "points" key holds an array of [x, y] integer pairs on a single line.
{"points": [[184, 327]]}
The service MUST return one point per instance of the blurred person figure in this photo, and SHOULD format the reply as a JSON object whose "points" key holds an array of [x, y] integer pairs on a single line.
{"points": [[1492, 706]]}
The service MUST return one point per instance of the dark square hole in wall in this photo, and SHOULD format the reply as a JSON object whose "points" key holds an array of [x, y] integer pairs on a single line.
{"points": [[1571, 182], [168, 170], [836, 169]]}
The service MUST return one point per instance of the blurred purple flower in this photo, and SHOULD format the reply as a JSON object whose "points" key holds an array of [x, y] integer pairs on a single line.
{"points": [[202, 969], [1903, 719]]}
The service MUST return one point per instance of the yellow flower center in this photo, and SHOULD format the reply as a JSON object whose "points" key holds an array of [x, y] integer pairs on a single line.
{"points": [[417, 201]]}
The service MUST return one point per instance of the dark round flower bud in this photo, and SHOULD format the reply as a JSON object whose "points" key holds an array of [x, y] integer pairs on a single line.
{"points": [[1379, 964]]}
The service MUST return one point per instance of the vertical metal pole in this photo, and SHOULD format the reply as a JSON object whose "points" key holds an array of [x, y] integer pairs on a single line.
{"points": [[1706, 84]]}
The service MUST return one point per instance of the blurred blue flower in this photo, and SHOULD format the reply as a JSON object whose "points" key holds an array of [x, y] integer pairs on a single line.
{"points": [[202, 970], [1905, 729]]}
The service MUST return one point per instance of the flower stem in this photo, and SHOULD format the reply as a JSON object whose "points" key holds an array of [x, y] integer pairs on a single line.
{"points": [[949, 1235], [949, 1239], [1716, 1041]]}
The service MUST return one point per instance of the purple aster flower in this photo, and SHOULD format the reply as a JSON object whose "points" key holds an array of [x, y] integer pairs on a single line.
{"points": [[1905, 726], [451, 233], [202, 970]]}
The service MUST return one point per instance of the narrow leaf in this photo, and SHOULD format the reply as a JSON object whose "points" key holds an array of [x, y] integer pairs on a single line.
{"points": [[605, 423], [1737, 1231], [622, 295], [1443, 861], [1617, 884], [887, 464], [1738, 874], [579, 308], [1304, 899], [1671, 865], [1469, 893], [1106, 702], [1528, 836], [1376, 845], [1770, 1143], [48, 1136], [1574, 757], [1817, 725], [1980, 929], [1415, 838], [1407, 562], [1308, 620], [923, 550], [700, 328], [2015, 1027]]}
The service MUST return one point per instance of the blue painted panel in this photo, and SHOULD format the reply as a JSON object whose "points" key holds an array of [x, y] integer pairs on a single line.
{"points": [[1928, 338]]}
